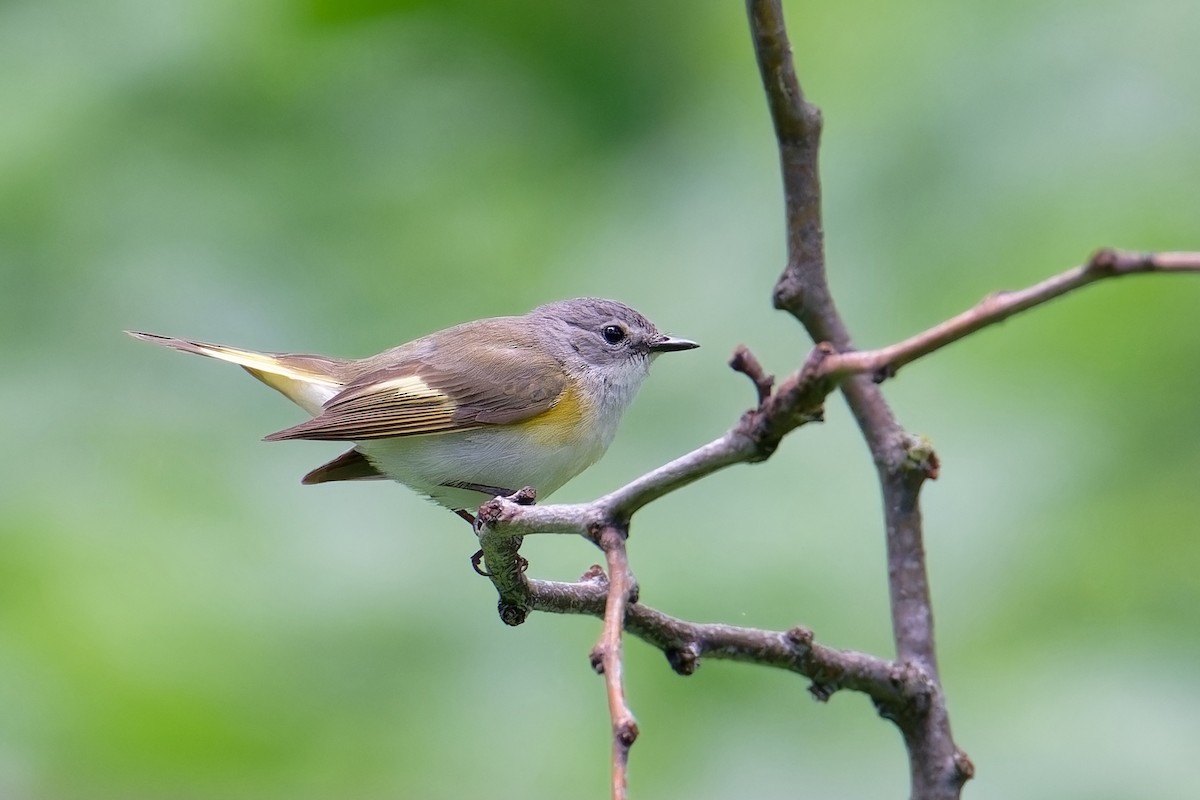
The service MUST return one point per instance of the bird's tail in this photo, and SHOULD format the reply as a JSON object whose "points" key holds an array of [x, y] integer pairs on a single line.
{"points": [[306, 380]]}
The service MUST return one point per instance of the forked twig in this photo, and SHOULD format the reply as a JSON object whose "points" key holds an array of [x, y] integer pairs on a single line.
{"points": [[901, 690], [906, 690]]}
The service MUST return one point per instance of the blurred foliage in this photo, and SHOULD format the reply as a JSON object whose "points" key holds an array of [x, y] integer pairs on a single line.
{"points": [[179, 618]]}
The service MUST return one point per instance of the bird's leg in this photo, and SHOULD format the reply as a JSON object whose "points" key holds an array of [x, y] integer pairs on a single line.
{"points": [[526, 496], [477, 558]]}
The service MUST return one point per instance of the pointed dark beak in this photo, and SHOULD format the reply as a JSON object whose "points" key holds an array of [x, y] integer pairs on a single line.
{"points": [[669, 344]]}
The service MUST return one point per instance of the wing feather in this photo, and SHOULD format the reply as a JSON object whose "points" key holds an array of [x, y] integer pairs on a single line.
{"points": [[410, 392]]}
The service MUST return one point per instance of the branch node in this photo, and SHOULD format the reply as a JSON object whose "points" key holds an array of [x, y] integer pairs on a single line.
{"points": [[595, 530], [684, 660], [821, 692], [801, 636], [916, 689], [921, 458], [626, 732], [512, 614], [595, 574], [492, 511], [608, 535], [963, 766], [799, 399], [787, 294], [525, 496], [887, 709], [744, 361], [1106, 260], [596, 659], [488, 514]]}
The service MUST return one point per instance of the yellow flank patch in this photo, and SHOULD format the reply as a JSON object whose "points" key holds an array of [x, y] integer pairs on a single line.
{"points": [[563, 422]]}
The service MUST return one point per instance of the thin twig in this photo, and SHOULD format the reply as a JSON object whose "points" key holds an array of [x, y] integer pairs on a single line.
{"points": [[745, 362], [796, 401], [1106, 263], [607, 655]]}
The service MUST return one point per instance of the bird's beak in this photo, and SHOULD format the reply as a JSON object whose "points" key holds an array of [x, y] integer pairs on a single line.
{"points": [[669, 344]]}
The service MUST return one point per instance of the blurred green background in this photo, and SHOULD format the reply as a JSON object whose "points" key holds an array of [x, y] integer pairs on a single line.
{"points": [[179, 618]]}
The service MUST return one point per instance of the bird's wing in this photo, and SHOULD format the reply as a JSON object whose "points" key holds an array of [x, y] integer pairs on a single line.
{"points": [[438, 387]]}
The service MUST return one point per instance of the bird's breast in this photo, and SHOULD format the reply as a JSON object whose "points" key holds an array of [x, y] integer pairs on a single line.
{"points": [[570, 420]]}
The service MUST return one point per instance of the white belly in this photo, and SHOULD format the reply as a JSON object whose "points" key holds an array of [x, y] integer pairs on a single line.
{"points": [[507, 459]]}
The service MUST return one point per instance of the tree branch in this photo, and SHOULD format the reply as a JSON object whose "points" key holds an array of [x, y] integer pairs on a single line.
{"points": [[891, 686], [607, 658], [803, 290], [907, 690], [1105, 263]]}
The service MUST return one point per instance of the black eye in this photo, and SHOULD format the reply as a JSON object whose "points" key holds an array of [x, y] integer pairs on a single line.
{"points": [[613, 334]]}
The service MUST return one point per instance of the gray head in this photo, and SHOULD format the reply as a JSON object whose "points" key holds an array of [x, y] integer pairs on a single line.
{"points": [[605, 332]]}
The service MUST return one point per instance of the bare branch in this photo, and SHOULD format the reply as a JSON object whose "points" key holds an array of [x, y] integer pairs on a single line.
{"points": [[798, 130], [502, 517], [906, 690], [892, 686], [803, 290], [885, 362], [901, 692], [606, 655]]}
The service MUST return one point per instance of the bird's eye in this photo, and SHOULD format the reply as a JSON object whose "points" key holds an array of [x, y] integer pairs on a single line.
{"points": [[613, 334]]}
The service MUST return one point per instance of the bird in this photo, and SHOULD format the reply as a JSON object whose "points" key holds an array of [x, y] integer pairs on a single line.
{"points": [[471, 412]]}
